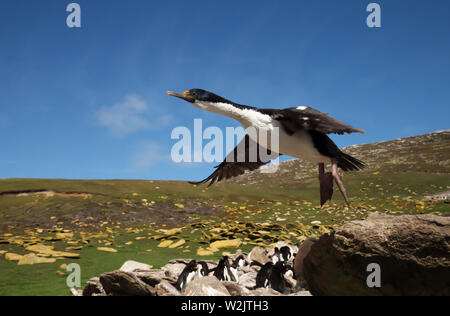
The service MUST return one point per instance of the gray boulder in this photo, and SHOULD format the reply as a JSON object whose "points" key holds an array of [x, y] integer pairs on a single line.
{"points": [[236, 289], [412, 251], [131, 266], [207, 286], [303, 251], [258, 254], [119, 283], [93, 287], [166, 289]]}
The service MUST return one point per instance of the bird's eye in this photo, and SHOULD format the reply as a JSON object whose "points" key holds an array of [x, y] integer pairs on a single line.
{"points": [[194, 93]]}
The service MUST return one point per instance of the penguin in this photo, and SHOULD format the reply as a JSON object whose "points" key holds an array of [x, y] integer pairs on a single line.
{"points": [[264, 274], [202, 269], [285, 253], [290, 272], [234, 268], [277, 280], [222, 271], [187, 275], [240, 261], [276, 257]]}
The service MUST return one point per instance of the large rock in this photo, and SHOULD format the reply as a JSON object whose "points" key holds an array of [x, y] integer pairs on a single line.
{"points": [[93, 287], [131, 266], [258, 254], [208, 286], [412, 251], [302, 253], [124, 283], [166, 289], [248, 280], [236, 289], [153, 277], [174, 268]]}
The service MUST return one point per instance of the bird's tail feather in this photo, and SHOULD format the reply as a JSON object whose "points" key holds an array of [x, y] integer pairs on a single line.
{"points": [[349, 163]]}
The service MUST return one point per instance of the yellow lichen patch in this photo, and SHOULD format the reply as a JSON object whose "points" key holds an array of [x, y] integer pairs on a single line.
{"points": [[178, 243], [74, 248], [64, 235], [40, 248], [165, 243], [173, 231], [13, 257], [32, 258], [226, 244], [45, 251], [105, 249], [203, 252]]}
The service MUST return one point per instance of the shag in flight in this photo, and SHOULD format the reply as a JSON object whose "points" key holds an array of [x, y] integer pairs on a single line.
{"points": [[302, 134]]}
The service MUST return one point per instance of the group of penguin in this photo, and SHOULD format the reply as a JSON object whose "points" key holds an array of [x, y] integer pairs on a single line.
{"points": [[271, 274]]}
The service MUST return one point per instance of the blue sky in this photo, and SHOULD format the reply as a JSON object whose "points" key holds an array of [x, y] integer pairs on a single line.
{"points": [[90, 103]]}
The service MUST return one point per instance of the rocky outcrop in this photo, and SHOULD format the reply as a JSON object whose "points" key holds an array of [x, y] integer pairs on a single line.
{"points": [[303, 252], [124, 283], [207, 286], [131, 266], [136, 279], [412, 252]]}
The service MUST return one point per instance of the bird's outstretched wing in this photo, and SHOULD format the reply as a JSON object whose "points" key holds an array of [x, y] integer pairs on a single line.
{"points": [[245, 157], [306, 118]]}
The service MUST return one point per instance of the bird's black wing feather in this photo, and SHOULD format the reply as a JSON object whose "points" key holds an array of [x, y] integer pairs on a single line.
{"points": [[245, 157], [295, 119]]}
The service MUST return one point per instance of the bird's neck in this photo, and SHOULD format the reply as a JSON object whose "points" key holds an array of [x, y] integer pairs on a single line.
{"points": [[246, 115]]}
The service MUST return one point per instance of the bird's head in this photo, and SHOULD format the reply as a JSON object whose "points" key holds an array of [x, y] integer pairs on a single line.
{"points": [[200, 98]]}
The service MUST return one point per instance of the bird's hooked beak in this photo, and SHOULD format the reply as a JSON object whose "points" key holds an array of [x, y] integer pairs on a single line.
{"points": [[185, 96]]}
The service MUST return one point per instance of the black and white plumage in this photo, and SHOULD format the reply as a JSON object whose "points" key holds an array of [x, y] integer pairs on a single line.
{"points": [[302, 134], [223, 271], [202, 269], [286, 254], [263, 275], [187, 275]]}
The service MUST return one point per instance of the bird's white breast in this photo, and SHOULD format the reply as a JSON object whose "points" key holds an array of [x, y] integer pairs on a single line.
{"points": [[300, 145]]}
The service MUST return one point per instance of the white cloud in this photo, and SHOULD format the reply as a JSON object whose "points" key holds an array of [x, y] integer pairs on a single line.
{"points": [[148, 154], [125, 117], [165, 120], [130, 115]]}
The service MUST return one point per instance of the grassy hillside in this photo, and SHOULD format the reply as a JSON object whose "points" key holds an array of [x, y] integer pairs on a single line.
{"points": [[134, 217]]}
